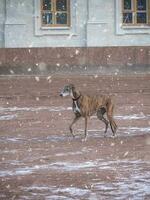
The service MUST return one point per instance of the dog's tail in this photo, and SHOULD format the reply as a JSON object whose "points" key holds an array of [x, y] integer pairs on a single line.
{"points": [[109, 110]]}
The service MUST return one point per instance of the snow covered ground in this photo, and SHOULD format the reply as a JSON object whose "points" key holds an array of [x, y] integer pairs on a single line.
{"points": [[40, 160]]}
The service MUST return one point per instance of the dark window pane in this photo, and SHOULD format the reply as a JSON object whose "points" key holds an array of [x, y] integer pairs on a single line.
{"points": [[141, 4], [61, 18], [61, 5], [47, 18], [46, 4], [127, 5], [141, 18], [127, 18]]}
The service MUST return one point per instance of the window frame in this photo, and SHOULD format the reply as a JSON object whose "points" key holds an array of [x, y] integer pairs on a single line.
{"points": [[54, 11], [134, 12], [40, 30], [123, 29]]}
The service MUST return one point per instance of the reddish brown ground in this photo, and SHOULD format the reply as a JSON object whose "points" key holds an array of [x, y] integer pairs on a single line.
{"points": [[39, 160]]}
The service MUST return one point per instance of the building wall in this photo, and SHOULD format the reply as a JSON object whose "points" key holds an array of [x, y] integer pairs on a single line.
{"points": [[2, 21], [103, 23], [21, 30], [94, 23], [94, 41]]}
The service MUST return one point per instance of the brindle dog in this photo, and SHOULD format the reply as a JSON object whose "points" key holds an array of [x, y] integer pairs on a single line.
{"points": [[86, 106]]}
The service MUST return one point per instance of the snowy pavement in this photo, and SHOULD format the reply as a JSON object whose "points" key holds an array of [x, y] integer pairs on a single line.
{"points": [[40, 160]]}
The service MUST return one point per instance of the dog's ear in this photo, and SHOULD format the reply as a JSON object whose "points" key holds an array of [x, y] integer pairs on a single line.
{"points": [[72, 86]]}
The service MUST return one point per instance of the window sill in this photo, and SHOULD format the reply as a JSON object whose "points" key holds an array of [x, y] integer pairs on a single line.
{"points": [[56, 31], [135, 27], [55, 28], [131, 30]]}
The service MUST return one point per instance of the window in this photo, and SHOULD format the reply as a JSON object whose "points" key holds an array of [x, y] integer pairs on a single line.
{"points": [[55, 13], [132, 17], [55, 17], [135, 12]]}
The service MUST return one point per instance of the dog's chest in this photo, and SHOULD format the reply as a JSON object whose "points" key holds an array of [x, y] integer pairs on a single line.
{"points": [[76, 107]]}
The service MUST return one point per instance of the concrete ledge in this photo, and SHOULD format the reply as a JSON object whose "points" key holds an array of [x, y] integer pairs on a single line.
{"points": [[100, 70]]}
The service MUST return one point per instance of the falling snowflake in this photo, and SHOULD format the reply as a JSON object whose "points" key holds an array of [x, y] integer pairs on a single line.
{"points": [[49, 79], [15, 58], [77, 52], [126, 153], [70, 36], [37, 78], [37, 98], [29, 70], [58, 64], [112, 144], [11, 71]]}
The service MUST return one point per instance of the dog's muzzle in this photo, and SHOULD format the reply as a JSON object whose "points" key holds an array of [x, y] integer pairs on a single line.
{"points": [[61, 95]]}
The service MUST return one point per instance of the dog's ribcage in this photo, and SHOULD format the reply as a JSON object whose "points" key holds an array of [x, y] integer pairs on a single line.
{"points": [[88, 105]]}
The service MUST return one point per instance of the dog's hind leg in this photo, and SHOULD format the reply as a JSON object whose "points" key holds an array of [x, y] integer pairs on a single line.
{"points": [[112, 122], [85, 131], [100, 115], [77, 117]]}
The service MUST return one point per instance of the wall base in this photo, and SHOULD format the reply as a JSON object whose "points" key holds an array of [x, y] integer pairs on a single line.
{"points": [[104, 60]]}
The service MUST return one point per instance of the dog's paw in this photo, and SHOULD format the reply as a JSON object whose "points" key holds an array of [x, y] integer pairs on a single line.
{"points": [[84, 139], [114, 136]]}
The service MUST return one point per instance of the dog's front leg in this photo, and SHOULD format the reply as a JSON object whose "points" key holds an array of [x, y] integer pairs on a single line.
{"points": [[74, 121]]}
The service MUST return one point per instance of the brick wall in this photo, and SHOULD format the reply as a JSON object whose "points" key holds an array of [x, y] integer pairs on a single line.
{"points": [[99, 59]]}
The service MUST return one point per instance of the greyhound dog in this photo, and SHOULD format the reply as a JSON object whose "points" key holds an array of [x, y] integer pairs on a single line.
{"points": [[85, 106]]}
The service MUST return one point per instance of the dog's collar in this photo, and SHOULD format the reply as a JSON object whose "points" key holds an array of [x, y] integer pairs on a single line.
{"points": [[76, 99]]}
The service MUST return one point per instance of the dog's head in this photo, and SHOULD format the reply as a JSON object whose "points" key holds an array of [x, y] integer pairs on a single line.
{"points": [[67, 90]]}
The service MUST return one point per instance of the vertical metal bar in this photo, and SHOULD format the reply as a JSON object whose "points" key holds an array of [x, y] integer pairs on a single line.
{"points": [[54, 11], [134, 11]]}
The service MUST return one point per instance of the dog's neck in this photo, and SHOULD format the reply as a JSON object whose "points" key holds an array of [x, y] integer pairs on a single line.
{"points": [[75, 95]]}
